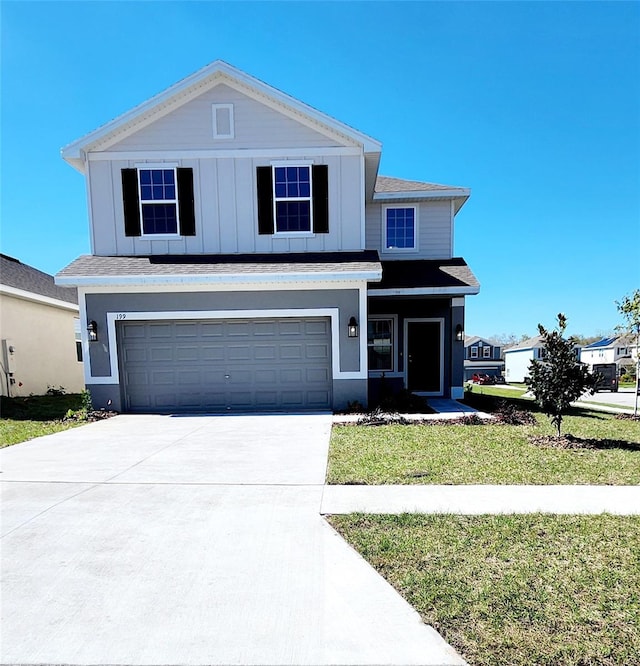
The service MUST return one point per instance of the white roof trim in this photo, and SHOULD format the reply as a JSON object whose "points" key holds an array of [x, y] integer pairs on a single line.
{"points": [[219, 278], [194, 85], [422, 194], [37, 298], [425, 291]]}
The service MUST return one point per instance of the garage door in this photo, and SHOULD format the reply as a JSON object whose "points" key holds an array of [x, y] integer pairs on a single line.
{"points": [[226, 365]]}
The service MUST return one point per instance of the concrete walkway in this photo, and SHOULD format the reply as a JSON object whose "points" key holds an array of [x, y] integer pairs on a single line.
{"points": [[190, 540], [477, 500]]}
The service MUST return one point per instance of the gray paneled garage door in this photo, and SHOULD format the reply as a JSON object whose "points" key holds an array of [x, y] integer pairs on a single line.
{"points": [[226, 365]]}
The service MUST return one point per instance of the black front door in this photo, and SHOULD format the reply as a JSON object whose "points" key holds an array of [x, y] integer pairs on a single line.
{"points": [[424, 367]]}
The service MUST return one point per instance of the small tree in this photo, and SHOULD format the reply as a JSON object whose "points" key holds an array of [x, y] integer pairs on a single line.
{"points": [[629, 308], [559, 378]]}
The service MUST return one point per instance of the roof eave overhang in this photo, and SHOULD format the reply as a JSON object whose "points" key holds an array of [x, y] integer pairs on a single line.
{"points": [[458, 195], [230, 279], [214, 74], [426, 291]]}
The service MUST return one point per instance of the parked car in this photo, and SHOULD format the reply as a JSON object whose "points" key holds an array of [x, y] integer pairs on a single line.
{"points": [[499, 379], [607, 377], [481, 378]]}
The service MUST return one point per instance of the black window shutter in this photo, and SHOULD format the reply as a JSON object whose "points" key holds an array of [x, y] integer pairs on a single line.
{"points": [[264, 186], [131, 202], [186, 202], [320, 199]]}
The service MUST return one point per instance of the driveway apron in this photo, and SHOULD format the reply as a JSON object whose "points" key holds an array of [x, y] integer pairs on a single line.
{"points": [[190, 540]]}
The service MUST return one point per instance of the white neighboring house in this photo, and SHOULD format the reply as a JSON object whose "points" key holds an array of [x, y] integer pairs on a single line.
{"points": [[518, 358], [619, 349]]}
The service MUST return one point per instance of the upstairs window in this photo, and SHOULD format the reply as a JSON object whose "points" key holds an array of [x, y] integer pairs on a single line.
{"points": [[486, 352], [158, 201], [400, 229], [474, 352], [293, 199]]}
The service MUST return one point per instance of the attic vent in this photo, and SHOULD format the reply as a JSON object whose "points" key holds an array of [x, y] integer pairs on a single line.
{"points": [[223, 121]]}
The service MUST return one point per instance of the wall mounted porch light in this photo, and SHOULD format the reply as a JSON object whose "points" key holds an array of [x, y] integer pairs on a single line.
{"points": [[92, 329], [459, 333], [353, 328]]}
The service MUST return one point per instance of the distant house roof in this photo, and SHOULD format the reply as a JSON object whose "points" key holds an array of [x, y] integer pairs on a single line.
{"points": [[529, 343], [604, 342], [207, 269], [15, 274], [473, 339]]}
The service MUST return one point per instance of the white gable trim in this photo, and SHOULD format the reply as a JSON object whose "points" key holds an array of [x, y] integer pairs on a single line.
{"points": [[191, 87]]}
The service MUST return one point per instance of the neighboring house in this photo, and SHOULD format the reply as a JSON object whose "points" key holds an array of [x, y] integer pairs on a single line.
{"points": [[39, 332], [619, 349], [482, 356], [518, 358], [246, 255]]}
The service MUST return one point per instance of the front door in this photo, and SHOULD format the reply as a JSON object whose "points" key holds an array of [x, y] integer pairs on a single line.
{"points": [[424, 366]]}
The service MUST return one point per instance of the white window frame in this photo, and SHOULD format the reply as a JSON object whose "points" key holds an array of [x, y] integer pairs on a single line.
{"points": [[486, 352], [394, 250], [295, 234], [214, 121], [156, 166], [394, 346], [474, 352]]}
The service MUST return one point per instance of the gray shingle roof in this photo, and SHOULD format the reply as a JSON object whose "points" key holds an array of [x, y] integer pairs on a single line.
{"points": [[14, 273], [417, 273], [220, 265], [387, 184]]}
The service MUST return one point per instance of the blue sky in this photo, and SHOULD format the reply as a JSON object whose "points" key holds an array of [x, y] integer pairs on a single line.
{"points": [[535, 106]]}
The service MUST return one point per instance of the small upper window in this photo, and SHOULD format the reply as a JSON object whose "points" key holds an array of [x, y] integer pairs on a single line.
{"points": [[400, 229], [158, 201], [474, 352], [292, 199], [486, 352]]}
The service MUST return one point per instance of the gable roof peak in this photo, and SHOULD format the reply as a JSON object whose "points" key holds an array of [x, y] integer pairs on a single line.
{"points": [[194, 85]]}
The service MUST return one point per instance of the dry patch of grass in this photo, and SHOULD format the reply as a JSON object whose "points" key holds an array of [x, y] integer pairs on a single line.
{"points": [[514, 590]]}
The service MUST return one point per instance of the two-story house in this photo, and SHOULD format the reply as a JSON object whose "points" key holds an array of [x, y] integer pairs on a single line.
{"points": [[517, 358], [482, 356], [246, 255], [619, 349]]}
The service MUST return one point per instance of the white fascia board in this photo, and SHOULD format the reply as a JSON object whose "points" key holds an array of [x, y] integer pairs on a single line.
{"points": [[37, 298], [426, 291], [194, 85], [223, 153], [462, 193], [231, 279]]}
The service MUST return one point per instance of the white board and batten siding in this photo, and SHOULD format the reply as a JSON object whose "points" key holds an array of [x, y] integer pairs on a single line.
{"points": [[434, 219], [226, 210], [224, 173]]}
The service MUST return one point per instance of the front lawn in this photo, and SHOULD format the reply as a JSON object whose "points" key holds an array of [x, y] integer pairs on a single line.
{"points": [[22, 419], [486, 454], [514, 590]]}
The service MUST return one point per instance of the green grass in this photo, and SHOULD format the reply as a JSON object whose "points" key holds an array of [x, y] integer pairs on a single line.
{"points": [[485, 454], [497, 391], [22, 419], [515, 590]]}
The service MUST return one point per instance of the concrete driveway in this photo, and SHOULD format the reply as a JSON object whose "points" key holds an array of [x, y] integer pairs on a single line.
{"points": [[190, 540]]}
